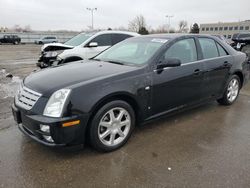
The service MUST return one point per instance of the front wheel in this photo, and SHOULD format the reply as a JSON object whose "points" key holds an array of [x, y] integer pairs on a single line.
{"points": [[231, 92], [112, 126]]}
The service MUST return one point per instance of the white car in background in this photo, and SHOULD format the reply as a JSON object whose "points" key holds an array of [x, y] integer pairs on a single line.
{"points": [[82, 46], [46, 40]]}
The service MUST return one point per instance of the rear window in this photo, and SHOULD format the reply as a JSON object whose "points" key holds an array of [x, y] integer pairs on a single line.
{"points": [[209, 48], [222, 51]]}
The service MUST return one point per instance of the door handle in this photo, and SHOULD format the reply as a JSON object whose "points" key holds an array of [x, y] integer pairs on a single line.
{"points": [[226, 64], [197, 72]]}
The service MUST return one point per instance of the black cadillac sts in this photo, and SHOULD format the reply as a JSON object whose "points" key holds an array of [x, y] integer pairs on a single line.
{"points": [[102, 99]]}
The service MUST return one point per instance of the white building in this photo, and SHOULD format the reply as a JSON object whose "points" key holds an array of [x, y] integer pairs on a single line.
{"points": [[226, 29]]}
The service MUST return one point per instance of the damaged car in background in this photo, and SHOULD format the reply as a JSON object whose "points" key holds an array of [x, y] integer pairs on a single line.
{"points": [[241, 42], [137, 80], [82, 46]]}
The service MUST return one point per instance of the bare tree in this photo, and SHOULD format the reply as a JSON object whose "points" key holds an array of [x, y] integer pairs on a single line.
{"points": [[183, 26], [137, 23], [27, 28], [17, 28]]}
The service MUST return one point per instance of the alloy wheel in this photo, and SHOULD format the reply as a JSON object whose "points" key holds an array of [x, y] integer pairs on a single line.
{"points": [[233, 90], [114, 126]]}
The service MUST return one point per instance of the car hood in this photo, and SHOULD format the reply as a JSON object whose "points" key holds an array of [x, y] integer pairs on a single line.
{"points": [[55, 47], [49, 80]]}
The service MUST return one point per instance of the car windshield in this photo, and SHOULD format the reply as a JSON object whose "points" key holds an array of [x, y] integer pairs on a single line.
{"points": [[135, 51], [79, 39]]}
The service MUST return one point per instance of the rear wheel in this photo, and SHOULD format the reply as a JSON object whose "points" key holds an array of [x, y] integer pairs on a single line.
{"points": [[231, 92], [112, 126]]}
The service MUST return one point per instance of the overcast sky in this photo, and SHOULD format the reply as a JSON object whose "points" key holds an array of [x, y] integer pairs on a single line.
{"points": [[72, 14]]}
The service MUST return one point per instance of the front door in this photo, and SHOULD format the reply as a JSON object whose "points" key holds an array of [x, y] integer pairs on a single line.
{"points": [[175, 87], [104, 41]]}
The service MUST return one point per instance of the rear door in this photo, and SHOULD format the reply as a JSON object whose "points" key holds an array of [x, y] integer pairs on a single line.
{"points": [[217, 64]]}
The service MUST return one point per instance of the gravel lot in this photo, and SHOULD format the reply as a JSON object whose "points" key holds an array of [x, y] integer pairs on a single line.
{"points": [[205, 147]]}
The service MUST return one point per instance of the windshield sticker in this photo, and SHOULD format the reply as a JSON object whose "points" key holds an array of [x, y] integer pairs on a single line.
{"points": [[159, 40]]}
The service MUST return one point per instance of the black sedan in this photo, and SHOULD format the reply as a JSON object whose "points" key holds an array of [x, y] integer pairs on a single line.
{"points": [[135, 81]]}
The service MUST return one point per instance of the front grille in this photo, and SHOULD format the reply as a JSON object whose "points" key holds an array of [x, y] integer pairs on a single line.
{"points": [[26, 98]]}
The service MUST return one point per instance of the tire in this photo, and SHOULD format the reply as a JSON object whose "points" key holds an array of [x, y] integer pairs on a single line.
{"points": [[231, 92], [107, 135]]}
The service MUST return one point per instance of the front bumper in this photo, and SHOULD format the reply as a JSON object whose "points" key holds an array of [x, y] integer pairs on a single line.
{"points": [[62, 136], [44, 61]]}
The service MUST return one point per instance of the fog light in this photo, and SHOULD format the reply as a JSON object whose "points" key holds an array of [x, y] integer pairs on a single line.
{"points": [[48, 138], [45, 128]]}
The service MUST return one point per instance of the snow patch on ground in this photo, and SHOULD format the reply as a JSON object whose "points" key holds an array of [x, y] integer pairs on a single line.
{"points": [[8, 86]]}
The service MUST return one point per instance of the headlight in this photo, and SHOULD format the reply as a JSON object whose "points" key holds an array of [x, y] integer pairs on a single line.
{"points": [[51, 54], [54, 106]]}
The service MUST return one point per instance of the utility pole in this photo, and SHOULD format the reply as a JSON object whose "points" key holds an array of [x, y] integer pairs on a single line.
{"points": [[92, 14], [169, 17]]}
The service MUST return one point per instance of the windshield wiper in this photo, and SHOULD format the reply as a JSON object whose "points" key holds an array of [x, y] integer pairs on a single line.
{"points": [[115, 62]]}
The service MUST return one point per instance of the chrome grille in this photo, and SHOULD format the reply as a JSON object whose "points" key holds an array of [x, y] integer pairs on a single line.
{"points": [[26, 98]]}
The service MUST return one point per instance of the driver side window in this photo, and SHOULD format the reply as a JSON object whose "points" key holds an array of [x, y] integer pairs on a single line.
{"points": [[184, 50], [103, 40]]}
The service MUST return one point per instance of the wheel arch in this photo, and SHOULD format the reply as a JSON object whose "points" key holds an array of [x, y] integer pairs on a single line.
{"points": [[240, 75], [123, 96]]}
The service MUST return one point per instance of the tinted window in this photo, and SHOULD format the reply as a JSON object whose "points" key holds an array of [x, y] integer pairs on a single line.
{"points": [[225, 28], [209, 48], [103, 40], [211, 28], [241, 27], [119, 37], [230, 28], [236, 28], [216, 28], [221, 28], [247, 28], [185, 50], [221, 50]]}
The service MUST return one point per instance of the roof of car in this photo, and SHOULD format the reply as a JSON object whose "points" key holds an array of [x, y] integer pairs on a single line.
{"points": [[174, 35], [114, 31]]}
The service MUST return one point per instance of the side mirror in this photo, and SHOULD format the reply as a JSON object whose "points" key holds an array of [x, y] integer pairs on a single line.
{"points": [[93, 44], [169, 62]]}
